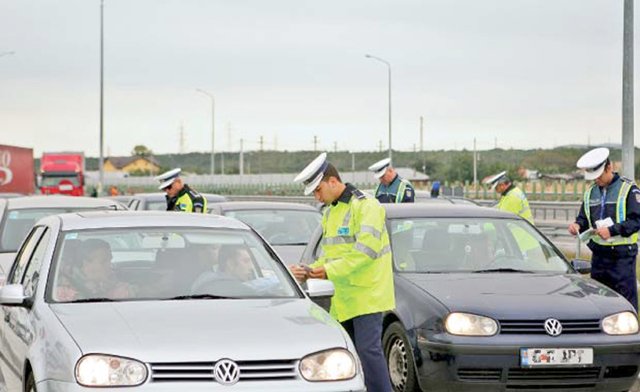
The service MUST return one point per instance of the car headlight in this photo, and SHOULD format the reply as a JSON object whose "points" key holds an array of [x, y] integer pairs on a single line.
{"points": [[96, 370], [331, 365], [625, 323], [466, 324]]}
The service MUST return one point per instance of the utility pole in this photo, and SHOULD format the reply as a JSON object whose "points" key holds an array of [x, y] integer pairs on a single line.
{"points": [[475, 164], [241, 160], [495, 143], [628, 145], [260, 154], [182, 139], [353, 166], [315, 143], [221, 162], [421, 134], [335, 146], [380, 146]]}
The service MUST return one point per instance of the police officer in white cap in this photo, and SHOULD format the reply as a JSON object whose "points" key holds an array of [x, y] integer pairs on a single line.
{"points": [[611, 208], [356, 256], [392, 188], [512, 198], [180, 197]]}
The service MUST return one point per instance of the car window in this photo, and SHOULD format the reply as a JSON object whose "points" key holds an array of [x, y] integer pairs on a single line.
{"points": [[471, 244], [17, 223], [281, 227], [161, 263], [32, 274], [156, 205], [23, 256]]}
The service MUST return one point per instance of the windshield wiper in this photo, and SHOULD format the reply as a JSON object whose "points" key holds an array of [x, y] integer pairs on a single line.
{"points": [[198, 296], [102, 299], [291, 244], [501, 270]]}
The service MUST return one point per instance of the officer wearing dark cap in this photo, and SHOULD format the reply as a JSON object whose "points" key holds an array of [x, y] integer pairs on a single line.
{"points": [[611, 208], [355, 255], [180, 197], [392, 188]]}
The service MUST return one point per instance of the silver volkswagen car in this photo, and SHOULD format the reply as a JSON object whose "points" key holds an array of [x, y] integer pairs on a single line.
{"points": [[158, 301]]}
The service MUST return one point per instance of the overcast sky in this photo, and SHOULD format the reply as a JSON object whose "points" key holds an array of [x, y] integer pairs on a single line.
{"points": [[524, 73]]}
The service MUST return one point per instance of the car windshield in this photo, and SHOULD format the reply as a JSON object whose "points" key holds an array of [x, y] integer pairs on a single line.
{"points": [[281, 227], [156, 205], [17, 224], [433, 245], [165, 264], [57, 180]]}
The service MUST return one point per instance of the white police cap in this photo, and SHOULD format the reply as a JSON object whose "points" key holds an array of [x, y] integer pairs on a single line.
{"points": [[311, 175], [593, 162], [380, 167], [167, 178], [496, 179]]}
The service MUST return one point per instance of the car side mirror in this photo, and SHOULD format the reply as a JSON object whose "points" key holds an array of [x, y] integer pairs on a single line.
{"points": [[581, 266], [319, 288], [13, 295]]}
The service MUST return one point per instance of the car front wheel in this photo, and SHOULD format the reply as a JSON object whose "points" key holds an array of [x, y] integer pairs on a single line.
{"points": [[397, 351]]}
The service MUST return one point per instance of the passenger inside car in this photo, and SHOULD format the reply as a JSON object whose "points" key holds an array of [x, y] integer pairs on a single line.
{"points": [[87, 273]]}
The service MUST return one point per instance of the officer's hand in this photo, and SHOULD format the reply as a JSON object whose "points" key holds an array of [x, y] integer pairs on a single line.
{"points": [[318, 273], [299, 273], [574, 229], [604, 233]]}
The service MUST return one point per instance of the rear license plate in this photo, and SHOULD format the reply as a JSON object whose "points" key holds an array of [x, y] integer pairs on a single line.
{"points": [[535, 357]]}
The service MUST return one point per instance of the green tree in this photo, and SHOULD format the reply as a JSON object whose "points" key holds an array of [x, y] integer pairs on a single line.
{"points": [[141, 151]]}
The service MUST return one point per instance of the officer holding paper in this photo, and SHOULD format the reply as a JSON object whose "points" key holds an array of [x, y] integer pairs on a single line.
{"points": [[609, 219]]}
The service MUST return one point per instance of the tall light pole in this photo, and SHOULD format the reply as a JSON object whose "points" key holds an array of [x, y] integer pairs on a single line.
{"points": [[101, 159], [389, 69], [628, 145], [213, 126]]}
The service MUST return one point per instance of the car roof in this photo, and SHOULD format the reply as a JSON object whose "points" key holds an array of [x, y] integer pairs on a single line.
{"points": [[56, 201], [121, 219], [427, 210], [156, 196], [263, 205]]}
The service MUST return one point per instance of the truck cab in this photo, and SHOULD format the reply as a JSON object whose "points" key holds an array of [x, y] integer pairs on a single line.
{"points": [[62, 173]]}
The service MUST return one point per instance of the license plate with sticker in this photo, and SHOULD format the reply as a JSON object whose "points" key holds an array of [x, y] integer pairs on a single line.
{"points": [[536, 357]]}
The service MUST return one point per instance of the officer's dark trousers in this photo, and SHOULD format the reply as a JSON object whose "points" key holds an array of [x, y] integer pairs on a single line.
{"points": [[366, 333], [617, 273]]}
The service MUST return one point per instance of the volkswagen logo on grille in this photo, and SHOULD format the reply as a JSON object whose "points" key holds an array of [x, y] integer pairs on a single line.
{"points": [[226, 372], [553, 327]]}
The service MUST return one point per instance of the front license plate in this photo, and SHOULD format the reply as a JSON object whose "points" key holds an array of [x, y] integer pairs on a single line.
{"points": [[535, 357]]}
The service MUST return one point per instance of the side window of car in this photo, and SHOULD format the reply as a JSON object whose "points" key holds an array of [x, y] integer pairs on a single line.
{"points": [[24, 254], [32, 274]]}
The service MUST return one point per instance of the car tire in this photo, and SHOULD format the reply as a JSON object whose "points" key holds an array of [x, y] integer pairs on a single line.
{"points": [[30, 386], [399, 356]]}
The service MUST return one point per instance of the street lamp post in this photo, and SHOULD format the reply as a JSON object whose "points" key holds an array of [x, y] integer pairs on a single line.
{"points": [[101, 159], [213, 126], [389, 70]]}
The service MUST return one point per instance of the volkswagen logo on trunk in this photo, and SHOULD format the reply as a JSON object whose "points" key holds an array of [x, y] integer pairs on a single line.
{"points": [[553, 327], [226, 372]]}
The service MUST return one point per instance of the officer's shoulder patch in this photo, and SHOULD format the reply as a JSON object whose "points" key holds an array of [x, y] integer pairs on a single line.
{"points": [[359, 194], [637, 197], [409, 192]]}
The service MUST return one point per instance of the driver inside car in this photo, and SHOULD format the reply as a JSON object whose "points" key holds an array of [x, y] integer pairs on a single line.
{"points": [[235, 263], [88, 274]]}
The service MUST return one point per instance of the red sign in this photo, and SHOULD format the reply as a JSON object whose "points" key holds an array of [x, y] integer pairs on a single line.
{"points": [[17, 172]]}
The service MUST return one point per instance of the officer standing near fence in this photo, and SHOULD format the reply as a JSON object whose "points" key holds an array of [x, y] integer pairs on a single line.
{"points": [[512, 198], [356, 256], [392, 188], [611, 208], [180, 197]]}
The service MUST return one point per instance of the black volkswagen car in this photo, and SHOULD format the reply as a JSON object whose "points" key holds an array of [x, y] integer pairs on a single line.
{"points": [[487, 303]]}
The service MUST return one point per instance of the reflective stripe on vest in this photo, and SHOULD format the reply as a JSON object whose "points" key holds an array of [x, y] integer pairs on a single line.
{"points": [[401, 189], [621, 215]]}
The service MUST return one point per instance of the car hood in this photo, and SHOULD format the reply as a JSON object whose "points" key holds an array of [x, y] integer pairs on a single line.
{"points": [[201, 330], [289, 254], [514, 295]]}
